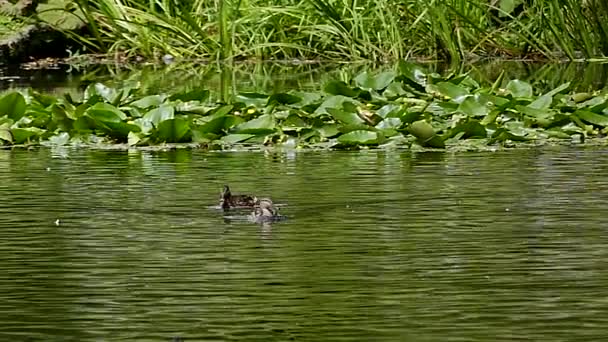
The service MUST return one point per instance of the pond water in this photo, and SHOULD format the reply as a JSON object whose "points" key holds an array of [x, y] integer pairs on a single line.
{"points": [[281, 77], [378, 246]]}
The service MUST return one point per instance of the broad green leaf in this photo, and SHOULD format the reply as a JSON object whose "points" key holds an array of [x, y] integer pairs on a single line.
{"points": [[160, 114], [252, 99], [542, 102], [395, 89], [389, 123], [261, 125], [148, 101], [328, 131], [22, 135], [144, 125], [389, 110], [593, 118], [332, 102], [236, 138], [214, 126], [197, 94], [133, 138], [535, 113], [173, 130], [472, 106], [558, 89], [13, 105], [345, 117], [59, 139], [374, 82], [5, 133], [413, 73], [425, 134], [422, 130], [119, 130], [294, 121], [470, 129], [340, 88], [359, 138], [307, 98], [519, 89], [107, 93], [454, 92], [104, 112], [282, 99]]}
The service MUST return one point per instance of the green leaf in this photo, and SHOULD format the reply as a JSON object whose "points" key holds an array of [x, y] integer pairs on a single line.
{"points": [[282, 99], [214, 126], [345, 117], [340, 88], [558, 89], [148, 101], [198, 94], [455, 92], [160, 114], [262, 125], [22, 135], [173, 130], [593, 118], [470, 129], [425, 134], [107, 93], [472, 106], [5, 133], [519, 89], [252, 99], [378, 82], [59, 139], [542, 102], [236, 138], [336, 101], [389, 123], [104, 112], [414, 73], [13, 105], [359, 138], [328, 131]]}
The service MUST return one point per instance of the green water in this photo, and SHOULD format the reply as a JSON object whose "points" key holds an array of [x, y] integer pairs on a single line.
{"points": [[282, 77], [379, 246]]}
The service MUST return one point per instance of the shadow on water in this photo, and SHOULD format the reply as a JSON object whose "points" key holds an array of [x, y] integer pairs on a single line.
{"points": [[281, 77], [384, 246]]}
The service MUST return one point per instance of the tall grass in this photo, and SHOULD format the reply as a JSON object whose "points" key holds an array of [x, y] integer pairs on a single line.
{"points": [[350, 29]]}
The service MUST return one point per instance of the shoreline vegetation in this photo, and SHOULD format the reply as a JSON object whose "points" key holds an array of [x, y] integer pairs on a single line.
{"points": [[406, 107], [334, 30]]}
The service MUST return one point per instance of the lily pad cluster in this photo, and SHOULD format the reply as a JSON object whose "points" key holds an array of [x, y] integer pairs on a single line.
{"points": [[394, 108]]}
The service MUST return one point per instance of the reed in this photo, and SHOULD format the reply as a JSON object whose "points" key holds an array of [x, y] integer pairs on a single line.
{"points": [[350, 29]]}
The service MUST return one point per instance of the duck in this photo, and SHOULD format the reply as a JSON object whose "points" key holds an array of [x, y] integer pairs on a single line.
{"points": [[265, 211], [228, 200]]}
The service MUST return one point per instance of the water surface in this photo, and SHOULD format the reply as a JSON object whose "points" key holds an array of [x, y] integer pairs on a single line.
{"points": [[379, 246]]}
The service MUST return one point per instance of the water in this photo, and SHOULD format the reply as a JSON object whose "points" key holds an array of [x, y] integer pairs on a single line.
{"points": [[379, 246], [282, 77]]}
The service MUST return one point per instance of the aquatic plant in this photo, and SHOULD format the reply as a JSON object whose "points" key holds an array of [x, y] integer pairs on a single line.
{"points": [[364, 29], [397, 108]]}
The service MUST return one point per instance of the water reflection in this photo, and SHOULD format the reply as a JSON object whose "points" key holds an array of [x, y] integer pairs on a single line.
{"points": [[281, 77], [378, 246]]}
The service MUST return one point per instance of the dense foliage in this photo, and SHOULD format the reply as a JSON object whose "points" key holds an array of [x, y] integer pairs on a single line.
{"points": [[392, 108], [338, 29]]}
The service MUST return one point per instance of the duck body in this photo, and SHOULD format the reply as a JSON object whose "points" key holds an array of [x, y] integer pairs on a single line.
{"points": [[228, 200], [265, 211]]}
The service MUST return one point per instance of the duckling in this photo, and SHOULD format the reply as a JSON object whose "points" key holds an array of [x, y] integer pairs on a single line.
{"points": [[228, 200], [264, 211]]}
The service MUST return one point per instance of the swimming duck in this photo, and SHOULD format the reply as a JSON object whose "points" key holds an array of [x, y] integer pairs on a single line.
{"points": [[265, 211], [228, 200]]}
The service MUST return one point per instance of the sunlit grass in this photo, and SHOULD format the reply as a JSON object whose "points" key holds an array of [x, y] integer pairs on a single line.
{"points": [[378, 30]]}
